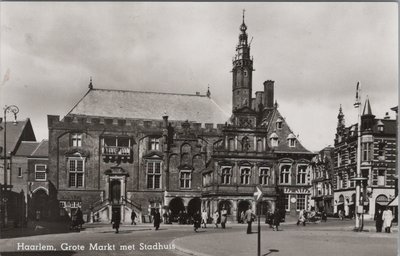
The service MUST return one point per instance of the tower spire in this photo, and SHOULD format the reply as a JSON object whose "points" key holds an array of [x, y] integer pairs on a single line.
{"points": [[243, 14], [90, 84]]}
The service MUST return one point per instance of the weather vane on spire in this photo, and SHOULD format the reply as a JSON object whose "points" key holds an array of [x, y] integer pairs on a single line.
{"points": [[243, 14]]}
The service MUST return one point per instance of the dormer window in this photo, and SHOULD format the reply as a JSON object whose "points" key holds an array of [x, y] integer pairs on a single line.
{"points": [[279, 123], [274, 139], [380, 126], [291, 140]]}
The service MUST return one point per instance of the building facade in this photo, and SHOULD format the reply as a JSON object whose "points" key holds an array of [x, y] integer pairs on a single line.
{"points": [[378, 163], [322, 176], [115, 152]]}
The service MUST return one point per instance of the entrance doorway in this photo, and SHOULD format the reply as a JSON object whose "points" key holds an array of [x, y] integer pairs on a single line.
{"points": [[115, 191], [39, 205]]}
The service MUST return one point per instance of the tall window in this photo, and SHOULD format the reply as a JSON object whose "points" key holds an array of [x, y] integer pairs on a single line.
{"points": [[381, 151], [186, 179], [76, 172], [301, 202], [259, 145], [366, 151], [301, 174], [154, 144], [264, 176], [284, 177], [76, 139], [154, 174], [19, 171], [226, 174], [352, 175], [274, 142], [231, 144], [245, 175], [40, 172]]}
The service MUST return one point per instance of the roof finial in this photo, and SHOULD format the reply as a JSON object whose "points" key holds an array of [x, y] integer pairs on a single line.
{"points": [[90, 84], [208, 92], [243, 14]]}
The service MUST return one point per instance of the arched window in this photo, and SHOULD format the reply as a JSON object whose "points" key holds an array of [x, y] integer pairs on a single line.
{"points": [[259, 145]]}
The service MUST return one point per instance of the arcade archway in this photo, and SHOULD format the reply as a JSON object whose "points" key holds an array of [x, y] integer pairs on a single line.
{"points": [[176, 206]]}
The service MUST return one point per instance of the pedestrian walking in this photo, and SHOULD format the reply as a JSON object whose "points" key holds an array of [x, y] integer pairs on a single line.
{"points": [[216, 218], [79, 218], [133, 217], [196, 221], [249, 217], [116, 220], [224, 216], [340, 214], [387, 217], [242, 218], [324, 216], [157, 219], [204, 218], [269, 218], [301, 219], [378, 220], [277, 220]]}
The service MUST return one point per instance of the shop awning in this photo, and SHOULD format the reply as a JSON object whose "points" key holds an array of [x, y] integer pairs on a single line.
{"points": [[395, 201]]}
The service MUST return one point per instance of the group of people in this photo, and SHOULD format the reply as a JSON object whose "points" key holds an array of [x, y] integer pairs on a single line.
{"points": [[202, 219], [383, 219]]}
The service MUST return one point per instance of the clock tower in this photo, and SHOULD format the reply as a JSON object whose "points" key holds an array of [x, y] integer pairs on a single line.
{"points": [[242, 72]]}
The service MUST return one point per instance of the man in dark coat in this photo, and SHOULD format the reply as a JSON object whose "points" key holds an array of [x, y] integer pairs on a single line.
{"points": [[196, 221], [277, 219], [79, 218], [133, 217], [379, 221], [115, 220], [157, 219]]}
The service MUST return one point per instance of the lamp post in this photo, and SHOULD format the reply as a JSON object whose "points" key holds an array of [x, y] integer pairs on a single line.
{"points": [[7, 109], [358, 177]]}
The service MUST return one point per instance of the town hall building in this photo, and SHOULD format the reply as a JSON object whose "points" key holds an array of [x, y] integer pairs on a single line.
{"points": [[182, 153]]}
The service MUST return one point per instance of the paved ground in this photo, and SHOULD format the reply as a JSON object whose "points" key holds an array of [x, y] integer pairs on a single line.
{"points": [[331, 238], [314, 239]]}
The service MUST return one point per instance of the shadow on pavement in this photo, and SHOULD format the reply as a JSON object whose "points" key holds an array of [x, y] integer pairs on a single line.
{"points": [[271, 251], [41, 253]]}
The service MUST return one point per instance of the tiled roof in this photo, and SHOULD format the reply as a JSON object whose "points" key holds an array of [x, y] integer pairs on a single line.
{"points": [[42, 150], [16, 132], [26, 148], [149, 105], [283, 135]]}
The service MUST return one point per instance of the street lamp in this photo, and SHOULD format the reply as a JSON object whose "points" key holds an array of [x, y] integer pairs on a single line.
{"points": [[358, 177], [7, 109]]}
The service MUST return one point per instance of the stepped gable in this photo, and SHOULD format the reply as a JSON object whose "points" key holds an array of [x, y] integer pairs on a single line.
{"points": [[283, 134], [149, 105]]}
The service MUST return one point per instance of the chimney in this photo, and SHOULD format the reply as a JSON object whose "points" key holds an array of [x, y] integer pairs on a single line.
{"points": [[269, 94], [259, 99]]}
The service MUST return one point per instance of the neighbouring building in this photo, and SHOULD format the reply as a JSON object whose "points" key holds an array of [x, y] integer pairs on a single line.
{"points": [[378, 162], [322, 175], [123, 151], [13, 203]]}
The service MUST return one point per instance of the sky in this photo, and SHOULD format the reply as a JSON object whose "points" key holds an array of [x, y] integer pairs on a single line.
{"points": [[315, 52]]}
